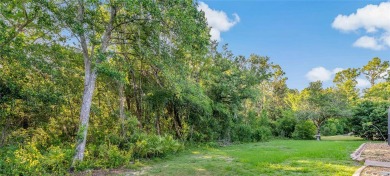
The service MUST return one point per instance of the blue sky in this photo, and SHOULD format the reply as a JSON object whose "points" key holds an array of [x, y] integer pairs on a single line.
{"points": [[298, 34]]}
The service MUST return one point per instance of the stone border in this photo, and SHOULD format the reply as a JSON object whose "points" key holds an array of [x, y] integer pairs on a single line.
{"points": [[359, 171], [356, 154], [377, 163]]}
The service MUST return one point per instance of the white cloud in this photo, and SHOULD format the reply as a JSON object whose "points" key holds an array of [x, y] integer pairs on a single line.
{"points": [[319, 74], [370, 17], [369, 43], [385, 74], [386, 39], [217, 20], [362, 83], [322, 74], [336, 70], [373, 19]]}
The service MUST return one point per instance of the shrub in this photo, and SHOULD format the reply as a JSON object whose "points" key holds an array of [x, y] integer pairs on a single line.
{"points": [[242, 132], [285, 126], [29, 160], [262, 133], [57, 159], [304, 130], [370, 120], [26, 161], [335, 127], [104, 156], [147, 146]]}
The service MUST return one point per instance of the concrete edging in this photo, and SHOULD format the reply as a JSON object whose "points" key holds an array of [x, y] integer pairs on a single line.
{"points": [[356, 154], [377, 163], [359, 171]]}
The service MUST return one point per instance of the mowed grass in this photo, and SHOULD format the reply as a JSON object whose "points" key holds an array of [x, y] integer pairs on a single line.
{"points": [[277, 157], [341, 138]]}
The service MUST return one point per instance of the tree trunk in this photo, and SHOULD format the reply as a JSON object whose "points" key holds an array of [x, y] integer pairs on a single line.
{"points": [[137, 100], [372, 81], [122, 107], [2, 139], [128, 99], [177, 122], [84, 117], [89, 79], [158, 122]]}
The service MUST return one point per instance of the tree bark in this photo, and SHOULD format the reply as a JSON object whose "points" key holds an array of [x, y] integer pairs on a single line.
{"points": [[89, 79], [122, 107], [128, 99], [176, 122], [84, 117], [372, 81], [137, 100], [3, 135], [158, 122]]}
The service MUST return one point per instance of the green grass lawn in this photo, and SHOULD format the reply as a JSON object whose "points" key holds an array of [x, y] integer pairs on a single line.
{"points": [[341, 138], [277, 157]]}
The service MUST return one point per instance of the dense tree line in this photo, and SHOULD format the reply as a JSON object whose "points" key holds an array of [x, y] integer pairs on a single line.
{"points": [[94, 84], [97, 84]]}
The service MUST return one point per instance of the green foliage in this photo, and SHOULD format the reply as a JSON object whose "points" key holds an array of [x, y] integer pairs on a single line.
{"points": [[262, 133], [105, 156], [319, 105], [375, 70], [161, 84], [346, 83], [378, 92], [246, 133], [242, 132], [285, 126], [335, 127], [370, 120], [29, 160], [147, 146], [258, 130], [329, 129], [304, 130]]}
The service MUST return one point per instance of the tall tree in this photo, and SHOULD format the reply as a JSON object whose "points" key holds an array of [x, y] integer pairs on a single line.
{"points": [[92, 23], [102, 27], [375, 70], [346, 82], [321, 104]]}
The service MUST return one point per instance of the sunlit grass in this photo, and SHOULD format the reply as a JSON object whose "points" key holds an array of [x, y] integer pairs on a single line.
{"points": [[278, 157], [341, 138]]}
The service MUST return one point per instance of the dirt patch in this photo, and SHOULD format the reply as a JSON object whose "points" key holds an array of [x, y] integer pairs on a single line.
{"points": [[380, 171], [376, 152]]}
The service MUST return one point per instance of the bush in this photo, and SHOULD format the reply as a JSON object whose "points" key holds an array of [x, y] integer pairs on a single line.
{"points": [[242, 133], [368, 117], [262, 133], [335, 127], [147, 146], [29, 160], [304, 130], [285, 126], [104, 156], [329, 130]]}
